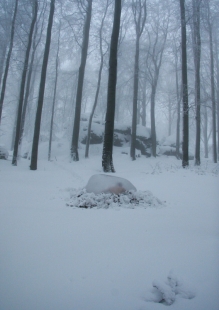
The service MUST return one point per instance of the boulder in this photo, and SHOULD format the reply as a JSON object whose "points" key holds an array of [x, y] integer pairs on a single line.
{"points": [[103, 183]]}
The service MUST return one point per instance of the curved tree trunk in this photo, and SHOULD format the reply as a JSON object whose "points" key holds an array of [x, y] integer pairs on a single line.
{"points": [[23, 81], [34, 155], [98, 84], [8, 60], [107, 157], [76, 127]]}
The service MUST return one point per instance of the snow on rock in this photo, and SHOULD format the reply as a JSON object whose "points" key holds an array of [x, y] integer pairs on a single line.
{"points": [[102, 183], [166, 292]]}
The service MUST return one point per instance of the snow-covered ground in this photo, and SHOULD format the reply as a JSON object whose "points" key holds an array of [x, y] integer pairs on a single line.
{"points": [[56, 257]]}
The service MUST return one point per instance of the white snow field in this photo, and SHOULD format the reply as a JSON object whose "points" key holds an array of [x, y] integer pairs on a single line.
{"points": [[57, 257]]}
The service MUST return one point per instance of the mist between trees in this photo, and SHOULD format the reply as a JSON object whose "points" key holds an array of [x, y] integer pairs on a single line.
{"points": [[146, 70]]}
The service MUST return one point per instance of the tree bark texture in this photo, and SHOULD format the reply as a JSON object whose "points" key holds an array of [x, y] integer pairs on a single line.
{"points": [[76, 127], [34, 155], [197, 60], [23, 81], [8, 60], [107, 158], [185, 148]]}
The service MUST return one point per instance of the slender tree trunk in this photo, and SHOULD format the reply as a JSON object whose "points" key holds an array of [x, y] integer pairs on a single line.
{"points": [[135, 100], [93, 109], [23, 81], [98, 83], [76, 127], [8, 60], [205, 131], [185, 155], [143, 116], [217, 64], [153, 124], [197, 60], [178, 118], [27, 89], [214, 139], [107, 157], [2, 61], [169, 117], [54, 97], [139, 13], [34, 155]]}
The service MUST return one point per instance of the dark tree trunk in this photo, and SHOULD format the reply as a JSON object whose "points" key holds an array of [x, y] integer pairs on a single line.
{"points": [[4, 50], [178, 117], [54, 97], [197, 59], [185, 148], [107, 157], [76, 127], [205, 131], [98, 84], [217, 64], [23, 81], [34, 155], [8, 60]]}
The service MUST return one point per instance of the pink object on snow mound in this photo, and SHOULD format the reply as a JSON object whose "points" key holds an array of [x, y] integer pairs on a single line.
{"points": [[102, 183]]}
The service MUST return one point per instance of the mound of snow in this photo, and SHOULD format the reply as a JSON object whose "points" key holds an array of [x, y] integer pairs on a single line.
{"points": [[166, 292], [103, 183]]}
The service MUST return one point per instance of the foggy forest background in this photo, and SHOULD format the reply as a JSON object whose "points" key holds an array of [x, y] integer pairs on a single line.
{"points": [[159, 70]]}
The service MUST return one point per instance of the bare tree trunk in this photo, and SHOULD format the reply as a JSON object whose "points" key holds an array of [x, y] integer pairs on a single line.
{"points": [[2, 60], [107, 157], [153, 124], [76, 127], [205, 131], [139, 12], [169, 117], [98, 83], [185, 155], [34, 155], [54, 96], [23, 81], [135, 101], [8, 60], [27, 90], [197, 60], [214, 140], [217, 64], [143, 115]]}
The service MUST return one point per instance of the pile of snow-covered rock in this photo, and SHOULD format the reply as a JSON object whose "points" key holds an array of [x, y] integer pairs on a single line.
{"points": [[105, 191], [166, 292]]}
